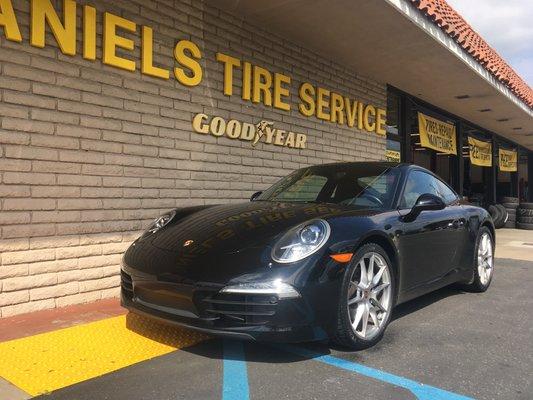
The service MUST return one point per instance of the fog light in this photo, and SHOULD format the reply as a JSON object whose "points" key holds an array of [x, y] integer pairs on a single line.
{"points": [[281, 289]]}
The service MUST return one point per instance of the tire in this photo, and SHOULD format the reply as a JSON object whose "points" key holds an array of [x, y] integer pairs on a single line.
{"points": [[526, 220], [527, 206], [521, 225], [505, 215], [510, 206], [524, 212], [510, 225], [507, 199], [354, 338], [495, 214], [481, 282]]}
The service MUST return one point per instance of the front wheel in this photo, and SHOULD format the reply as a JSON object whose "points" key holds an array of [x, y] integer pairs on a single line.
{"points": [[367, 298], [483, 261]]}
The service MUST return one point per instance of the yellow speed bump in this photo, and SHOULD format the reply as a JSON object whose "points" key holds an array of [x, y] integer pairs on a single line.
{"points": [[49, 361]]}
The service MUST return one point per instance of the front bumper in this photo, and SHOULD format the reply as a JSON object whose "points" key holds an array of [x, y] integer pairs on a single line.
{"points": [[261, 317]]}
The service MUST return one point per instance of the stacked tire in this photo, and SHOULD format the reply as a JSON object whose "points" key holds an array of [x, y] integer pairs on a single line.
{"points": [[499, 215], [524, 215], [510, 204]]}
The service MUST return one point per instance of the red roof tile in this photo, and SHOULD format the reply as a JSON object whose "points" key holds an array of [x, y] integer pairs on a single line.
{"points": [[449, 20]]}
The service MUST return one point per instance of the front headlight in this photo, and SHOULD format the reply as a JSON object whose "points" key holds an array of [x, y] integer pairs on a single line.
{"points": [[161, 221], [301, 241]]}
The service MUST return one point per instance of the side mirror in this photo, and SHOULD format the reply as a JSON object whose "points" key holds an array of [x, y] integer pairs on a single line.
{"points": [[255, 195], [426, 202]]}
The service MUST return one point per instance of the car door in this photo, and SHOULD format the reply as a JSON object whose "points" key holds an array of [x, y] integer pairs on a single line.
{"points": [[429, 244]]}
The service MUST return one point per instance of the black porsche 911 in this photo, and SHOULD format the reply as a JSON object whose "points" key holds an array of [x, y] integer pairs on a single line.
{"points": [[326, 252]]}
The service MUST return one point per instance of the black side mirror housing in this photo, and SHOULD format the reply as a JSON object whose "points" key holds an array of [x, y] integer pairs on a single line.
{"points": [[255, 195], [426, 202]]}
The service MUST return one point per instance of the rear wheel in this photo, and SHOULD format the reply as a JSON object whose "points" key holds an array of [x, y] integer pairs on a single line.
{"points": [[367, 298], [483, 261]]}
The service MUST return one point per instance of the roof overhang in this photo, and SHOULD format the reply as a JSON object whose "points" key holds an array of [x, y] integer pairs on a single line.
{"points": [[390, 41]]}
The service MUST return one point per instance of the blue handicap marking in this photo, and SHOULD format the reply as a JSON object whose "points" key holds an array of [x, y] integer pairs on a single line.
{"points": [[235, 374], [421, 391]]}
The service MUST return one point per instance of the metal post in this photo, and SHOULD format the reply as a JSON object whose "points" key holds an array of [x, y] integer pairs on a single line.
{"points": [[530, 175], [459, 170]]}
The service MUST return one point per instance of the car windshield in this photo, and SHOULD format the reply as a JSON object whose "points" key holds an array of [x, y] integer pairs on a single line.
{"points": [[358, 185]]}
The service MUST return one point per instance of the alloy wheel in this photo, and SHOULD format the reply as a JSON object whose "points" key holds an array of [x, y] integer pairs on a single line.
{"points": [[369, 296], [485, 262]]}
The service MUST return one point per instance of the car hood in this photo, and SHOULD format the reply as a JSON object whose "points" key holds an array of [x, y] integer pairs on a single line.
{"points": [[219, 243], [233, 227]]}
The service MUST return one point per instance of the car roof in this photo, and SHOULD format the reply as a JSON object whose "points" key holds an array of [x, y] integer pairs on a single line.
{"points": [[384, 164]]}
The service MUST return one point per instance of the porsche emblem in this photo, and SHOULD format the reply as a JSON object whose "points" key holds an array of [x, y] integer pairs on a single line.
{"points": [[188, 243]]}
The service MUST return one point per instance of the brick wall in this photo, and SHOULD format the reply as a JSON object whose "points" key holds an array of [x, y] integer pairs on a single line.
{"points": [[89, 154]]}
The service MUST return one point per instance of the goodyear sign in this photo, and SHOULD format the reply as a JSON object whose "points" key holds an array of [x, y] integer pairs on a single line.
{"points": [[508, 159], [480, 152], [437, 135]]}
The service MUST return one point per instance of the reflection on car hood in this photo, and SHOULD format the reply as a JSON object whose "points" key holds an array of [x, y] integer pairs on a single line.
{"points": [[232, 227]]}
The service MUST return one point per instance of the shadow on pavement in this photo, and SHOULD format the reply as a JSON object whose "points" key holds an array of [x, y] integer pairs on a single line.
{"points": [[210, 347]]}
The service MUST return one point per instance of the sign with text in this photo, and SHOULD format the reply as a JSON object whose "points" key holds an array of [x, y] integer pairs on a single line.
{"points": [[436, 134], [264, 131], [480, 152], [507, 160], [392, 155], [185, 62]]}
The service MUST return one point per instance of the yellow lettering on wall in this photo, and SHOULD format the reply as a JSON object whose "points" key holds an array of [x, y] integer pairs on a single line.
{"points": [[229, 63], [321, 103], [368, 118], [43, 12], [337, 108], [189, 62], [262, 84], [246, 81], [351, 111], [359, 115], [112, 41], [381, 120], [307, 96], [199, 123], [89, 33], [9, 21], [280, 91], [147, 57]]}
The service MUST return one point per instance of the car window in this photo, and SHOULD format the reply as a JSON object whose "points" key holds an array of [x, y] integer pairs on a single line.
{"points": [[366, 191], [446, 193], [420, 182], [304, 188], [352, 184]]}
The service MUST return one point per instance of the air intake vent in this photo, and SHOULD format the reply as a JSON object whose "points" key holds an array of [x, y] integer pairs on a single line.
{"points": [[126, 283], [244, 309]]}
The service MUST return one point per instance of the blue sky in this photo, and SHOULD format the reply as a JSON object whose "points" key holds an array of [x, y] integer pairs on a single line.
{"points": [[507, 26]]}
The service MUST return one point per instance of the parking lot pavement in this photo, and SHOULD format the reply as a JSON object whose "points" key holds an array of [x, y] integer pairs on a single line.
{"points": [[448, 345]]}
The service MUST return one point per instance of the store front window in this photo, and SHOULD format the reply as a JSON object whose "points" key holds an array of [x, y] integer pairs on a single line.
{"points": [[465, 156], [523, 176], [438, 161], [477, 160], [506, 180], [394, 144]]}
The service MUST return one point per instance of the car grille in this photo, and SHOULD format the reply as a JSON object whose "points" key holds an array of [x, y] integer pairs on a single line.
{"points": [[126, 284], [239, 308]]}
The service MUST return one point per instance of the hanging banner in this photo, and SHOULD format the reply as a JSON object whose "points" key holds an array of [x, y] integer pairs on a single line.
{"points": [[480, 152], [436, 134], [507, 160]]}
